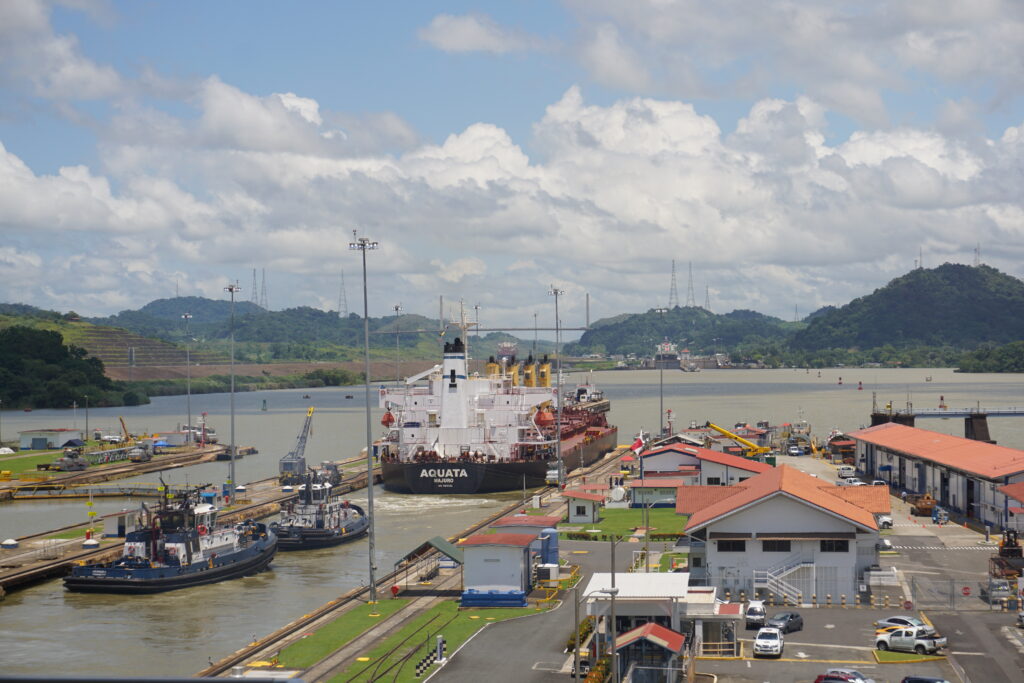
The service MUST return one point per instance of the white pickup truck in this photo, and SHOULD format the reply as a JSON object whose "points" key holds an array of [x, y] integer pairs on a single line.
{"points": [[910, 640]]}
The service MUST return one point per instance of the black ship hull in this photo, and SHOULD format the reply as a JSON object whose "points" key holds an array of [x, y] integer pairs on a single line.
{"points": [[490, 477], [307, 538], [158, 580]]}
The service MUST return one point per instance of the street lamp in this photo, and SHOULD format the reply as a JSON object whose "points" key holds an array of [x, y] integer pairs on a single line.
{"points": [[188, 379], [86, 418], [661, 384], [576, 614], [398, 363], [363, 244], [232, 289], [555, 292]]}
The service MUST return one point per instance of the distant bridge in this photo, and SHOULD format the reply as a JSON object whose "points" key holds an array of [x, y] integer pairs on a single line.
{"points": [[975, 419], [968, 412]]}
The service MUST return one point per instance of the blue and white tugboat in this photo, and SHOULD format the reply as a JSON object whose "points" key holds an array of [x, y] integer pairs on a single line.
{"points": [[318, 519], [179, 545]]}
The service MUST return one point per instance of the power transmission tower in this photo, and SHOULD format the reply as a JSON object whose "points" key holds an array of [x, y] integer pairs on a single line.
{"points": [[977, 255], [263, 292], [253, 292], [707, 298], [342, 300], [673, 293], [690, 301]]}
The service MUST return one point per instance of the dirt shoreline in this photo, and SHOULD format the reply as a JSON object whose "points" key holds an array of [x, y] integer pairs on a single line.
{"points": [[380, 371]]}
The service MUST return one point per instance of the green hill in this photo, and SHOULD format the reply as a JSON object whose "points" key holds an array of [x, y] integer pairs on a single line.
{"points": [[952, 305]]}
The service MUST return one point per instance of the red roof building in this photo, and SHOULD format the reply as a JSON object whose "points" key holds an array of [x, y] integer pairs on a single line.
{"points": [[539, 521], [963, 475]]}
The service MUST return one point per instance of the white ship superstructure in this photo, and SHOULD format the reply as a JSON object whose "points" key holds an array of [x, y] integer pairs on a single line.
{"points": [[458, 417]]}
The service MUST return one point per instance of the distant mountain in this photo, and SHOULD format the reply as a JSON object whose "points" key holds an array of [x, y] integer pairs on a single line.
{"points": [[952, 305], [692, 327]]}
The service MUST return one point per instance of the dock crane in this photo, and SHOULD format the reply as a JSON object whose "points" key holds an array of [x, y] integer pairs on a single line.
{"points": [[751, 449], [292, 467]]}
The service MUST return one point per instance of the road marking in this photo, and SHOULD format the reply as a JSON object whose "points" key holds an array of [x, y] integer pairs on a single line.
{"points": [[940, 547]]}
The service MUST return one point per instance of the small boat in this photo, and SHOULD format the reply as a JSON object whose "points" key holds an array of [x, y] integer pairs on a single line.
{"points": [[348, 395], [264, 408], [928, 378], [178, 545], [318, 519], [305, 396]]}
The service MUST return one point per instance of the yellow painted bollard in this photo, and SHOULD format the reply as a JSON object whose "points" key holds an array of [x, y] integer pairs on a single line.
{"points": [[727, 596], [785, 600], [799, 598], [872, 600], [743, 596], [757, 595], [842, 600], [828, 600], [886, 602], [856, 600], [771, 599], [1004, 605], [814, 599]]}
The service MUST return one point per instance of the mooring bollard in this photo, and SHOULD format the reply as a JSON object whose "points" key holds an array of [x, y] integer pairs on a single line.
{"points": [[856, 600], [727, 596], [743, 596], [871, 599], [814, 599], [828, 600], [842, 600], [771, 599]]}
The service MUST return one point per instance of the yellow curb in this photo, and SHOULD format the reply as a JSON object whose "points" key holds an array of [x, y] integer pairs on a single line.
{"points": [[916, 658]]}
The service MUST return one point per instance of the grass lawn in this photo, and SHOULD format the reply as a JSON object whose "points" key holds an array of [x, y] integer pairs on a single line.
{"points": [[325, 640], [28, 463], [78, 533], [622, 521], [454, 624], [890, 657], [666, 560]]}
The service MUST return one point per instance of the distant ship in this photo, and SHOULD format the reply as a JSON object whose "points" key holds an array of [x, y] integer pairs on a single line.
{"points": [[666, 357], [178, 545], [462, 433]]}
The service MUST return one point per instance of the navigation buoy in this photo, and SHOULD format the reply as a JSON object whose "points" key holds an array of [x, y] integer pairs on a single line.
{"points": [[860, 386], [840, 380], [942, 402]]}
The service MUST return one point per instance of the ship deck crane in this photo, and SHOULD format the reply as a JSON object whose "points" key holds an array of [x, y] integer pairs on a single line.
{"points": [[751, 449], [292, 467]]}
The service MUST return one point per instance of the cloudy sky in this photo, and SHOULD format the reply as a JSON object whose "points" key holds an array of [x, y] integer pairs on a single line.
{"points": [[797, 153]]}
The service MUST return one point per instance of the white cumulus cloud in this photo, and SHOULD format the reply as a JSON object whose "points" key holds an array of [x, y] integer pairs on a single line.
{"points": [[473, 33]]}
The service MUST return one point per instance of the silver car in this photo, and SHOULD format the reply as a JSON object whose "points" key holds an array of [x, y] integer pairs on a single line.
{"points": [[857, 676], [904, 621]]}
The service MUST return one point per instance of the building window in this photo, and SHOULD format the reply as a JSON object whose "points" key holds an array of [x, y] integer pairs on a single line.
{"points": [[580, 511], [775, 546], [697, 561], [714, 481], [732, 546], [835, 546]]}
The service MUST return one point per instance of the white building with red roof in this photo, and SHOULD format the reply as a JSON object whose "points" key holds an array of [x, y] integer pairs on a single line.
{"points": [[782, 532], [584, 508], [963, 475], [702, 465]]}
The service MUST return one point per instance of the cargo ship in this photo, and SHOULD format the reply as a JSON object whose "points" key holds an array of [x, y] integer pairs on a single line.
{"points": [[449, 431]]}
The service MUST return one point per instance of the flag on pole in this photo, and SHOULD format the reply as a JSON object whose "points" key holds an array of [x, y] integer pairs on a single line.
{"points": [[638, 445]]}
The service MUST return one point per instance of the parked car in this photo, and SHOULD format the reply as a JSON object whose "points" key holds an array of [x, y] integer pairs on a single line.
{"points": [[835, 678], [754, 615], [853, 675], [884, 521], [786, 622], [850, 481], [768, 641], [879, 482], [909, 640], [994, 589], [795, 450], [903, 621], [922, 679], [844, 471]]}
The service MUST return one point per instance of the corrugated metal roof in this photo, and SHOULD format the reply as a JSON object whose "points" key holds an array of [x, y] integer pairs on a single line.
{"points": [[528, 520], [518, 540], [985, 460], [583, 496], [654, 633], [1015, 491]]}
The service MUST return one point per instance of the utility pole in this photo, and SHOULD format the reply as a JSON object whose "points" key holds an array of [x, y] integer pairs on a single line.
{"points": [[398, 363], [364, 244], [555, 292], [188, 379], [232, 290]]}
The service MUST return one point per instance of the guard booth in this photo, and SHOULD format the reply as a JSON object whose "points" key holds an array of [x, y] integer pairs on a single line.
{"points": [[584, 508]]}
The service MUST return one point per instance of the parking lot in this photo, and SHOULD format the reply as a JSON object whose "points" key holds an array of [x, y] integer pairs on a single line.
{"points": [[831, 637]]}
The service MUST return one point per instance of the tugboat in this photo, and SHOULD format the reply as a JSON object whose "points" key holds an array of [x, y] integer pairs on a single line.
{"points": [[179, 545], [318, 519], [464, 433]]}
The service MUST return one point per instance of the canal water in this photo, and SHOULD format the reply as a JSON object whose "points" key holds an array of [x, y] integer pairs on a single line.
{"points": [[44, 630]]}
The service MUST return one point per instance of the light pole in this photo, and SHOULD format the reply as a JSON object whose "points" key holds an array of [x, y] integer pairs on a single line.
{"points": [[661, 384], [576, 615], [363, 244], [398, 362], [232, 289], [555, 292], [86, 418], [1, 422], [188, 379]]}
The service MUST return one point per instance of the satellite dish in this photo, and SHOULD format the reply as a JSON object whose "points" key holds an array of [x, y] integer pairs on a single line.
{"points": [[618, 494]]}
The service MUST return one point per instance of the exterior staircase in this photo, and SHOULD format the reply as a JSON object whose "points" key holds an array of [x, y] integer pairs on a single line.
{"points": [[774, 578]]}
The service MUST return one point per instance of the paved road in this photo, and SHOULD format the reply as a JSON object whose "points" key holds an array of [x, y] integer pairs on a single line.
{"points": [[530, 649]]}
